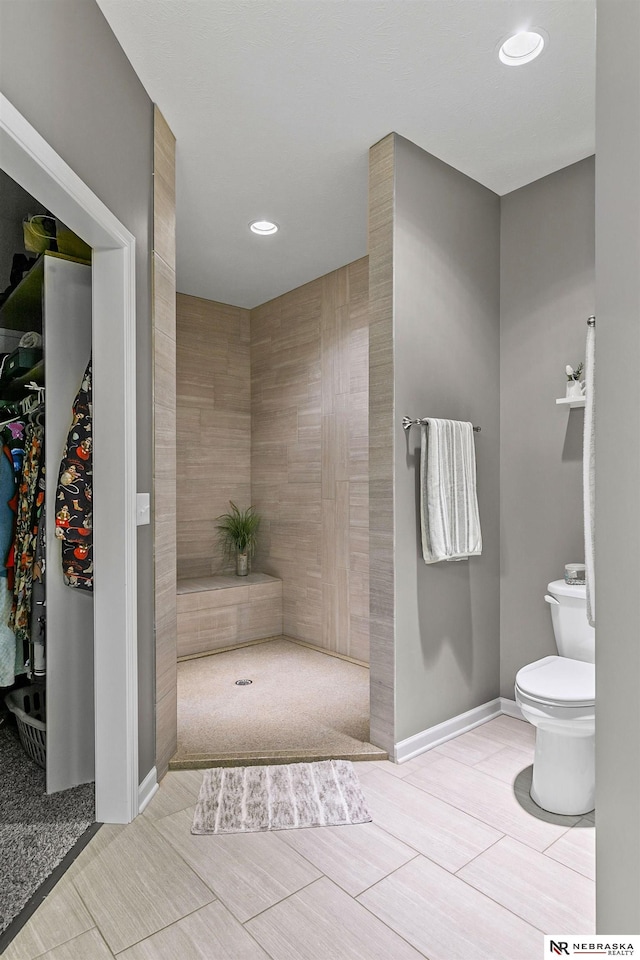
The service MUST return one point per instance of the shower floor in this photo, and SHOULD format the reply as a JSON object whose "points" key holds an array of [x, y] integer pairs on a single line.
{"points": [[301, 705]]}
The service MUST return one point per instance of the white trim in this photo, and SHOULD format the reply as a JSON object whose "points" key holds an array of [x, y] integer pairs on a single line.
{"points": [[147, 789], [510, 708], [433, 736], [32, 163]]}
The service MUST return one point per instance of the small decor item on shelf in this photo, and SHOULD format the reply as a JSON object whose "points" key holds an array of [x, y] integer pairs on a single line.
{"points": [[575, 386], [575, 573], [238, 533]]}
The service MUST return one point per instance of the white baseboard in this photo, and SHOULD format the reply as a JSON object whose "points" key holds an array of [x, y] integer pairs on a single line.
{"points": [[433, 736], [147, 789], [510, 708]]}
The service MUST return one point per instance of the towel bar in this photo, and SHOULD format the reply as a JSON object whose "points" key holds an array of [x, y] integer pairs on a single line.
{"points": [[408, 422]]}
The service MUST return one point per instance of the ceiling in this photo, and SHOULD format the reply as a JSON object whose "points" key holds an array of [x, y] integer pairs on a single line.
{"points": [[275, 103]]}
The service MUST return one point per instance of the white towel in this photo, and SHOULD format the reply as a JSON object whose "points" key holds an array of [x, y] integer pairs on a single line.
{"points": [[588, 472], [450, 519]]}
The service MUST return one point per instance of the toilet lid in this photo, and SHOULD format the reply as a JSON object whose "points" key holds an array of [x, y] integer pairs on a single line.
{"points": [[559, 680]]}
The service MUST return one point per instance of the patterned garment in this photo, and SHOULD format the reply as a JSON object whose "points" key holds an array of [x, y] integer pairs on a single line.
{"points": [[30, 505], [13, 449], [74, 524]]}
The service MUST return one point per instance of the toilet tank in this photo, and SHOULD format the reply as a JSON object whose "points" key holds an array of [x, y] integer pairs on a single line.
{"points": [[575, 637]]}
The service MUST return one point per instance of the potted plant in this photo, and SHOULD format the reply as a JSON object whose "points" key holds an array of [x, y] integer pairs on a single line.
{"points": [[238, 533], [575, 386]]}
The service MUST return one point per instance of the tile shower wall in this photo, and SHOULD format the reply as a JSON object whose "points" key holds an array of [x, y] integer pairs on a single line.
{"points": [[309, 455], [381, 446], [214, 426]]}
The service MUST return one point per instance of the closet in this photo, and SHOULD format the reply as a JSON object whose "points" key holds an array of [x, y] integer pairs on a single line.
{"points": [[54, 300]]}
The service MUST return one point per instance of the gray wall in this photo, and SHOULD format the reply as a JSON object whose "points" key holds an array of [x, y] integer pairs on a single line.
{"points": [[546, 295], [446, 328], [63, 69], [618, 466]]}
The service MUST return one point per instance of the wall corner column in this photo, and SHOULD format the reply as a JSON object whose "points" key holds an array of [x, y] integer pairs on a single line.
{"points": [[164, 439], [381, 443]]}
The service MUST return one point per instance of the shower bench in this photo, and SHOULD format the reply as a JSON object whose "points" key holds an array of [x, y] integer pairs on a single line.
{"points": [[219, 612]]}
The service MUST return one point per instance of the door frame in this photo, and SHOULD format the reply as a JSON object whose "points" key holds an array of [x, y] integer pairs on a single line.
{"points": [[34, 165]]}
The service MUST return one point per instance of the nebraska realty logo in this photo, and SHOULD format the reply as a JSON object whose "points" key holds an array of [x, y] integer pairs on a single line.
{"points": [[591, 946]]}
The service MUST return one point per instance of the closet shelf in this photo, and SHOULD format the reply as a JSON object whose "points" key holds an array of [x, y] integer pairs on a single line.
{"points": [[571, 402], [22, 310], [16, 389]]}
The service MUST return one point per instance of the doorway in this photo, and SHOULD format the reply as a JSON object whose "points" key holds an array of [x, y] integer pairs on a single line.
{"points": [[35, 166], [272, 411]]}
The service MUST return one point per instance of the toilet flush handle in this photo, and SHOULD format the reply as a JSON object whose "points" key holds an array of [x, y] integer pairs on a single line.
{"points": [[551, 599]]}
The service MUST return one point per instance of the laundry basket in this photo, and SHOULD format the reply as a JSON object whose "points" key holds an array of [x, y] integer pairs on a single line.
{"points": [[28, 706]]}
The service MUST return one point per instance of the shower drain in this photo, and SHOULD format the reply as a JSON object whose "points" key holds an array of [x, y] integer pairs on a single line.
{"points": [[243, 683]]}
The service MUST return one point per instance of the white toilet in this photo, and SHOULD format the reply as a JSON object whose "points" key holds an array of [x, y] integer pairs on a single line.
{"points": [[557, 695]]}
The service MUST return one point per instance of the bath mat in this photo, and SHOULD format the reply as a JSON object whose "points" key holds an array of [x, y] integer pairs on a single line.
{"points": [[279, 797]]}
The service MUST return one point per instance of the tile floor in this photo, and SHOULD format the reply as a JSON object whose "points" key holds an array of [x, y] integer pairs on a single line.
{"points": [[455, 866]]}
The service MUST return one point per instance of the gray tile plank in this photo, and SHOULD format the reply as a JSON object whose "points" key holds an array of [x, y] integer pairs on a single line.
{"points": [[353, 856], [446, 919], [469, 748], [510, 731], [61, 917], [178, 790], [506, 764], [136, 885], [88, 946], [436, 829], [210, 933], [485, 798], [322, 922], [546, 894], [248, 872], [400, 770], [577, 848]]}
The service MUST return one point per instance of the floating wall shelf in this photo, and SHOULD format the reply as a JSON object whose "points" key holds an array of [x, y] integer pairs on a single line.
{"points": [[571, 402]]}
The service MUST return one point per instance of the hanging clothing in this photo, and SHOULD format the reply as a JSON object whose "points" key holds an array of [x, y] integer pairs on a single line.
{"points": [[74, 510], [7, 507], [13, 438], [11, 652], [12, 660], [30, 506], [38, 601], [10, 663]]}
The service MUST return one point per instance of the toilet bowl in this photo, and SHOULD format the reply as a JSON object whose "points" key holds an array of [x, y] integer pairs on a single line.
{"points": [[557, 695]]}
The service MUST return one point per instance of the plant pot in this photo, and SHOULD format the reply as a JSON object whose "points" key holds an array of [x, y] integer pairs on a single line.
{"points": [[575, 389], [242, 564]]}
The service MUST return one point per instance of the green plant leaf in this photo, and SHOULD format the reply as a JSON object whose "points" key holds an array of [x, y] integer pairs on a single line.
{"points": [[238, 530]]}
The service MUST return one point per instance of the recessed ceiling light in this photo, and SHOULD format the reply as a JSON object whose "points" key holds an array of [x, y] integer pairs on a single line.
{"points": [[263, 227], [521, 48]]}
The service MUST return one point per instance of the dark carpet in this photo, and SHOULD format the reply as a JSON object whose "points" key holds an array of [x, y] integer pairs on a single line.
{"points": [[36, 830]]}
